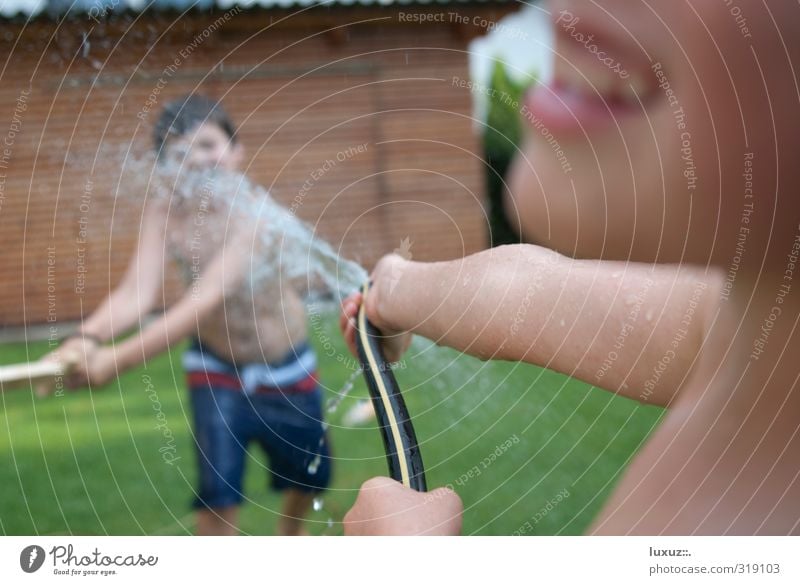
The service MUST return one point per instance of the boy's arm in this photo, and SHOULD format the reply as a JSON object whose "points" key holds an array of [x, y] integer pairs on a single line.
{"points": [[137, 292], [224, 272], [631, 328], [124, 307]]}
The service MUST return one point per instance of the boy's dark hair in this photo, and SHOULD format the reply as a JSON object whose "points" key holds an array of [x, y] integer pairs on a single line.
{"points": [[186, 113]]}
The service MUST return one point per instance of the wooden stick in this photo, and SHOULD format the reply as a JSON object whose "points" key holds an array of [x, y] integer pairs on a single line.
{"points": [[26, 374]]}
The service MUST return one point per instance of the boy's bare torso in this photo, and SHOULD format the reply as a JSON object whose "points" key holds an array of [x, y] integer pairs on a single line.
{"points": [[259, 320]]}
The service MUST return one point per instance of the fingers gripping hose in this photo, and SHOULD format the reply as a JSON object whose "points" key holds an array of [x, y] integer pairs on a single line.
{"points": [[399, 439]]}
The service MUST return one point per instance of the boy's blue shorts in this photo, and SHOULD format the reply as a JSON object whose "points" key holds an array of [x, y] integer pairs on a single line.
{"points": [[279, 406]]}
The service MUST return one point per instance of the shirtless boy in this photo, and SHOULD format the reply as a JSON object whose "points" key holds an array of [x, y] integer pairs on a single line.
{"points": [[250, 370]]}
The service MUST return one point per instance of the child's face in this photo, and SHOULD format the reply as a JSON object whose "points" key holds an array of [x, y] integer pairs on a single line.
{"points": [[656, 106], [208, 146]]}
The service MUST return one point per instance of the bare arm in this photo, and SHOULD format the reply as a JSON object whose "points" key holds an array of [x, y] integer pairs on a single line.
{"points": [[608, 323], [137, 292], [133, 298]]}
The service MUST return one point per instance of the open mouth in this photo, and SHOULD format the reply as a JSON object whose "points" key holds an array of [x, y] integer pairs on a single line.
{"points": [[595, 83]]}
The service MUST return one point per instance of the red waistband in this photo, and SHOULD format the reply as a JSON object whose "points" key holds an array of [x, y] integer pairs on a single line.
{"points": [[230, 382]]}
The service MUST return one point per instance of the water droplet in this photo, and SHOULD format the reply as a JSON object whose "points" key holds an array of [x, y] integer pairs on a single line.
{"points": [[86, 45], [317, 504], [562, 322], [334, 402], [649, 315], [314, 465]]}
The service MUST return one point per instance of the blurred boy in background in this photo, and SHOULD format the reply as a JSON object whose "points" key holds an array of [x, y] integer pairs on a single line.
{"points": [[250, 370]]}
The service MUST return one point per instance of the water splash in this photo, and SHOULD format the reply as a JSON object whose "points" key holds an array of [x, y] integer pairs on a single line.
{"points": [[213, 209], [318, 505], [333, 403], [313, 467]]}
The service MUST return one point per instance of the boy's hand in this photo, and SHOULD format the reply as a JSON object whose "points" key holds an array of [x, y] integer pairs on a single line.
{"points": [[385, 276], [74, 351], [98, 369], [386, 507]]}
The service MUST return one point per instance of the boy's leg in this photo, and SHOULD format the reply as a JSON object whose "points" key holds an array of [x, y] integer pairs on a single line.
{"points": [[296, 504], [221, 450], [290, 429], [218, 521]]}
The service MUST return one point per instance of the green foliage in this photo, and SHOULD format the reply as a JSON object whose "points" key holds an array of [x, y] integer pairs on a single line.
{"points": [[500, 140], [504, 128]]}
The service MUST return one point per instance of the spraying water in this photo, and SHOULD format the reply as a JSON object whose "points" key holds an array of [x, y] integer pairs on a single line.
{"points": [[212, 206], [313, 467], [215, 211], [333, 403], [216, 206]]}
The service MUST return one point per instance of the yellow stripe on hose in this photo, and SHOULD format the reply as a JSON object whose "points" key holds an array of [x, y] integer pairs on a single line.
{"points": [[399, 449]]}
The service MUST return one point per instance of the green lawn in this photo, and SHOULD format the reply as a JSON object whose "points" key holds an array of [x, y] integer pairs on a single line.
{"points": [[89, 463]]}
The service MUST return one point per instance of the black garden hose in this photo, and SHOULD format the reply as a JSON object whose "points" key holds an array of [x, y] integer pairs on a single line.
{"points": [[399, 439]]}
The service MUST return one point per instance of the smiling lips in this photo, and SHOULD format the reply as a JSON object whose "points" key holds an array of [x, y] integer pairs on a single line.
{"points": [[594, 83]]}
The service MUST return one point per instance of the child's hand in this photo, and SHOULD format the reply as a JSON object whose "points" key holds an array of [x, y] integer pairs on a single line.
{"points": [[98, 369], [384, 277], [386, 507], [73, 351]]}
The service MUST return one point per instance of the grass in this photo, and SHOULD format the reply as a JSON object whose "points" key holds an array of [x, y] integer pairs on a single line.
{"points": [[518, 443]]}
